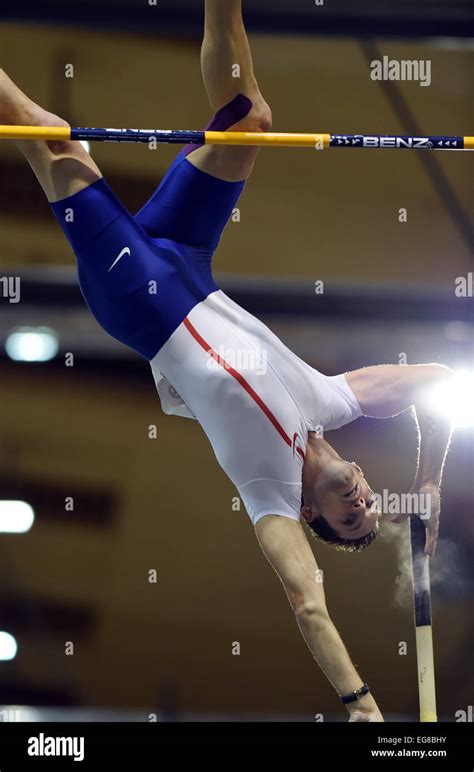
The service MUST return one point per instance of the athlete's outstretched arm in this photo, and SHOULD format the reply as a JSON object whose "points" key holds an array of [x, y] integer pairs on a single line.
{"points": [[384, 391], [284, 543], [387, 390]]}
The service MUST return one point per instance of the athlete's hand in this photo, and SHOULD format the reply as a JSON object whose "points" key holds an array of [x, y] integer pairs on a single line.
{"points": [[361, 715], [364, 709], [427, 494]]}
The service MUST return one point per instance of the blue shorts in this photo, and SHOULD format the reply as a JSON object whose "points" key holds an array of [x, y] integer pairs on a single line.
{"points": [[141, 275]]}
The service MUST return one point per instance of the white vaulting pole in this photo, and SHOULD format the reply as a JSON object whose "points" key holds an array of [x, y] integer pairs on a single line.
{"points": [[423, 621]]}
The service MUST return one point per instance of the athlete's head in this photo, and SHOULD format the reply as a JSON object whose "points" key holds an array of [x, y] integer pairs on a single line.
{"points": [[337, 503]]}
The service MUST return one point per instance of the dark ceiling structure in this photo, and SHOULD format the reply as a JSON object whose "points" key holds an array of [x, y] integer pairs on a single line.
{"points": [[407, 18]]}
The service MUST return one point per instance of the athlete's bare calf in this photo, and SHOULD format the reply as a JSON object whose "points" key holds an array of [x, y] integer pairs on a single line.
{"points": [[225, 48], [62, 168]]}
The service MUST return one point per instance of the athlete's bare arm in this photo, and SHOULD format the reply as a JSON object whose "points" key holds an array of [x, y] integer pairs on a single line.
{"points": [[286, 547], [387, 390]]}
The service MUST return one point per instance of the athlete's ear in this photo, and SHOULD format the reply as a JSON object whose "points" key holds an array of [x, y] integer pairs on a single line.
{"points": [[308, 513]]}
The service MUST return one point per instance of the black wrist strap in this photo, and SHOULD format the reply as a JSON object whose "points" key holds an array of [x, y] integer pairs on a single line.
{"points": [[355, 695]]}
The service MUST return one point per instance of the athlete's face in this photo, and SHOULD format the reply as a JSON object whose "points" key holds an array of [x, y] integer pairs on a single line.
{"points": [[346, 500]]}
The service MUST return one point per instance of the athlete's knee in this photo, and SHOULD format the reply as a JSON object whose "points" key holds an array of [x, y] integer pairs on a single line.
{"points": [[258, 119]]}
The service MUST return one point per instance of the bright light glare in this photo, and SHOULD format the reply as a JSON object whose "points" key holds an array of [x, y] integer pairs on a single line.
{"points": [[32, 345], [8, 646], [455, 400], [85, 145], [15, 517], [19, 713]]}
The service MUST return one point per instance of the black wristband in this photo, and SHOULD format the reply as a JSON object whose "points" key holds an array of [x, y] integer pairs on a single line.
{"points": [[355, 695]]}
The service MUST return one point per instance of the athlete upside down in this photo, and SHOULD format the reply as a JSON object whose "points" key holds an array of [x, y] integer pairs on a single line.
{"points": [[148, 281]]}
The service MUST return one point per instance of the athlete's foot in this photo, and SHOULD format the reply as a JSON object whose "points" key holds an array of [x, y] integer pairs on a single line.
{"points": [[19, 110]]}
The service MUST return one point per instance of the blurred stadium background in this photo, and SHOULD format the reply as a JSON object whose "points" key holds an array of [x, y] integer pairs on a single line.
{"points": [[82, 576]]}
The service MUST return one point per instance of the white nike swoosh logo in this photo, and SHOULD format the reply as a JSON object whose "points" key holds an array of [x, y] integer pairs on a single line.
{"points": [[125, 251]]}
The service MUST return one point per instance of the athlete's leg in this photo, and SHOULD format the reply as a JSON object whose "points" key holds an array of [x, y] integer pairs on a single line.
{"points": [[62, 168], [191, 207], [102, 233], [226, 45]]}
